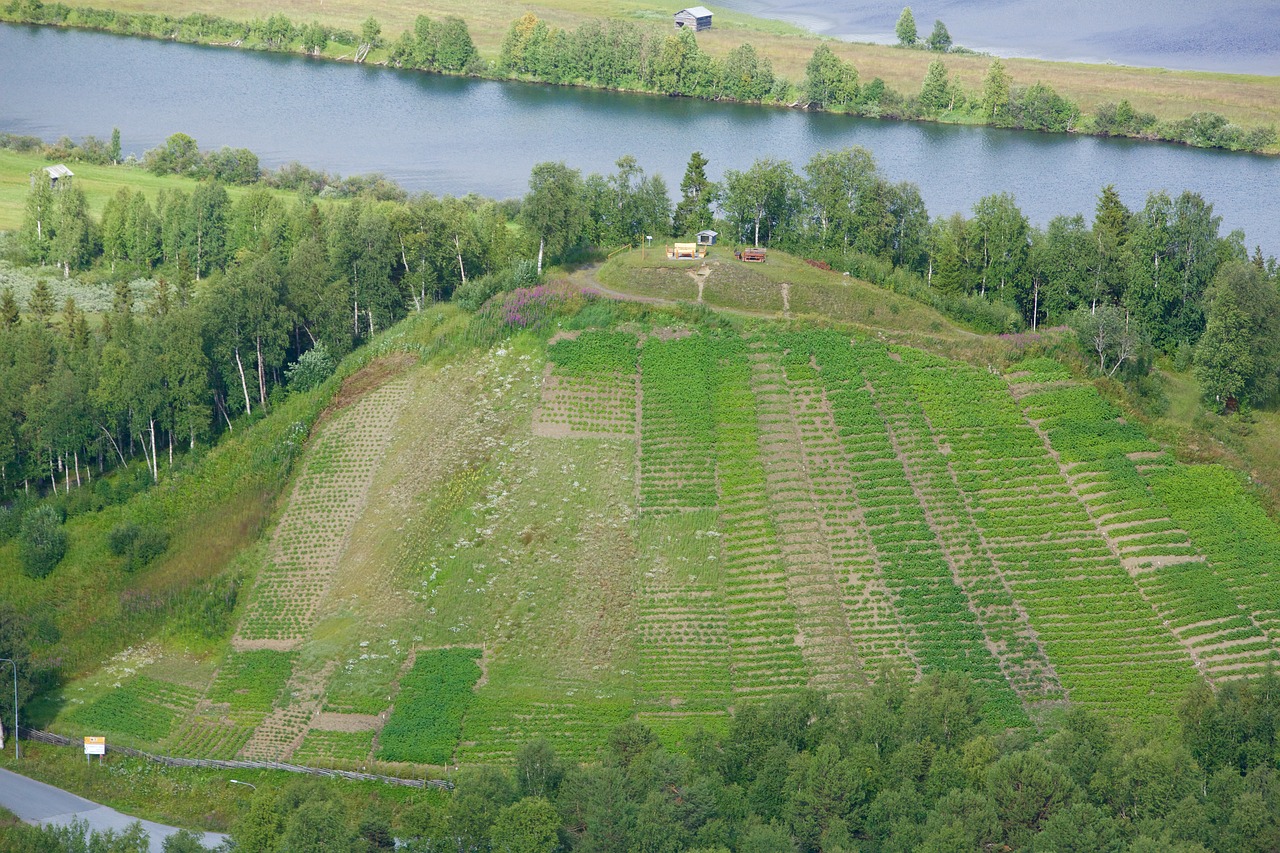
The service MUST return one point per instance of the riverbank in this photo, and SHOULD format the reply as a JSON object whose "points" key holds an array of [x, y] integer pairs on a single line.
{"points": [[1176, 106]]}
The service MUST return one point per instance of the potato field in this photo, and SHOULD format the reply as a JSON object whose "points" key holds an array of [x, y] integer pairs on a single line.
{"points": [[545, 540]]}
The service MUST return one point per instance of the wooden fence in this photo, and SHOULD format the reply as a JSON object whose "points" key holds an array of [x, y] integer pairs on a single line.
{"points": [[170, 761]]}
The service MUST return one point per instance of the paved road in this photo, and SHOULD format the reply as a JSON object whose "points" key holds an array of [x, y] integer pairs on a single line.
{"points": [[38, 803]]}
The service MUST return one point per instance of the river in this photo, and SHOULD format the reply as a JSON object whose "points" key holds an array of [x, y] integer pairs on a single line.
{"points": [[1241, 36], [454, 136]]}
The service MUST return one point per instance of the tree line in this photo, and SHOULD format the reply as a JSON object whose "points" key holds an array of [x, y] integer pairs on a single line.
{"points": [[243, 289], [619, 54]]}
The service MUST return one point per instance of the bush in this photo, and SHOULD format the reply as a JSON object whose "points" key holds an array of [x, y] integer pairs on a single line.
{"points": [[140, 543], [42, 541], [121, 537], [1183, 356], [312, 367], [477, 291], [150, 543]]}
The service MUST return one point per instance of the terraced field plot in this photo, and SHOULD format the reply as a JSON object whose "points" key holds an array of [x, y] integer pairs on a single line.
{"points": [[663, 526]]}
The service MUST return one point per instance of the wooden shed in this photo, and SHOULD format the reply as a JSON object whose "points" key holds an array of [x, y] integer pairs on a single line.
{"points": [[696, 18], [59, 173], [707, 238]]}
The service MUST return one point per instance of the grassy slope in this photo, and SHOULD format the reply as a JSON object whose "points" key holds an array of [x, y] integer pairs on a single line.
{"points": [[1246, 99], [99, 183], [552, 556]]}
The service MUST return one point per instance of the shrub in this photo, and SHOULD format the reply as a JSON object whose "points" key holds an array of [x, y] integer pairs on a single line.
{"points": [[121, 537], [477, 291], [150, 543], [42, 541], [140, 543], [312, 368]]}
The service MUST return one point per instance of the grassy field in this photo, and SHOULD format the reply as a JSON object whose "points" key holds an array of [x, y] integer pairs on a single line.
{"points": [[1244, 99], [664, 518], [99, 183]]}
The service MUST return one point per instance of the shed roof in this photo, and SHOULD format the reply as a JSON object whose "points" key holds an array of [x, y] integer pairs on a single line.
{"points": [[708, 233], [697, 11], [59, 171]]}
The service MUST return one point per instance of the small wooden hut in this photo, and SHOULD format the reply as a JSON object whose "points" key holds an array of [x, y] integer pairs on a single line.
{"points": [[59, 175], [707, 238], [696, 18]]}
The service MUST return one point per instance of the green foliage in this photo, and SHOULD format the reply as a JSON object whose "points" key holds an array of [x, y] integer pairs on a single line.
{"points": [[311, 369], [530, 825], [140, 543], [42, 541], [595, 352], [1238, 355], [905, 29], [427, 721], [693, 211], [940, 38], [475, 292], [830, 83]]}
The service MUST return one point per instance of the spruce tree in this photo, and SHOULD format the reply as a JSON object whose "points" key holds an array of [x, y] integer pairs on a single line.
{"points": [[693, 213], [40, 303]]}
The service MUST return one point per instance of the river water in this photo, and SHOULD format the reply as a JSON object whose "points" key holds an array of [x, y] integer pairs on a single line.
{"points": [[1240, 36], [451, 135]]}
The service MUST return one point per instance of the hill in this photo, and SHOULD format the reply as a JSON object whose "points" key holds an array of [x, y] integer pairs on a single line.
{"points": [[567, 512]]}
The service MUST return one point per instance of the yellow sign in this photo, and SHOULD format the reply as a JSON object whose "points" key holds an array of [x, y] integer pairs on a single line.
{"points": [[95, 746]]}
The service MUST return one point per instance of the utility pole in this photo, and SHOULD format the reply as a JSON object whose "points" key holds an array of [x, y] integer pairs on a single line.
{"points": [[13, 664]]}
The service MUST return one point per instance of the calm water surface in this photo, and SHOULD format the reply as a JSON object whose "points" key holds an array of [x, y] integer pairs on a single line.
{"points": [[448, 135], [1225, 35]]}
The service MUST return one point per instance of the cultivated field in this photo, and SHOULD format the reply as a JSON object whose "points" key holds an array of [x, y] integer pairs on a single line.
{"points": [[665, 522]]}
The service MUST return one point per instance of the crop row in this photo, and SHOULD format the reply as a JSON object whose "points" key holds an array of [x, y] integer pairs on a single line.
{"points": [[309, 539], [1022, 659], [1229, 527], [677, 439], [594, 352], [1106, 643], [944, 632], [762, 620], [1199, 608], [577, 726], [334, 745]]}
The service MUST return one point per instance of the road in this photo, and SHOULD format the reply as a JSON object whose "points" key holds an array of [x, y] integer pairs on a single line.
{"points": [[40, 804]]}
